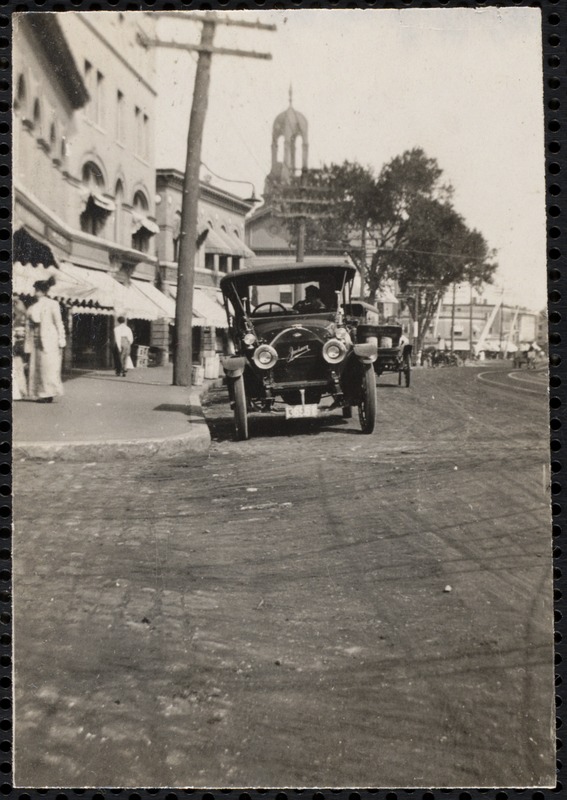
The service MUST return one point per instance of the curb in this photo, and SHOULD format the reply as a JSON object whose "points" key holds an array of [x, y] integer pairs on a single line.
{"points": [[196, 440]]}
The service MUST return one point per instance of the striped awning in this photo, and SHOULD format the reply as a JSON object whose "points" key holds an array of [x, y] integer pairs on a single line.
{"points": [[208, 310], [71, 290]]}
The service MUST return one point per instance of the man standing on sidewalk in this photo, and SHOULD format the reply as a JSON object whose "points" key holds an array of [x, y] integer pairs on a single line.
{"points": [[123, 339]]}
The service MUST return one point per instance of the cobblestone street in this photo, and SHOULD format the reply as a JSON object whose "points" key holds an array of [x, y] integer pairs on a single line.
{"points": [[313, 607]]}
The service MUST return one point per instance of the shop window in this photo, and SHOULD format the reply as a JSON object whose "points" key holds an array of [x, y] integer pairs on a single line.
{"points": [[209, 261], [223, 263]]}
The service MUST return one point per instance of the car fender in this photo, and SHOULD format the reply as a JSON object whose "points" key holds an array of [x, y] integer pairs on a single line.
{"points": [[367, 353], [233, 366]]}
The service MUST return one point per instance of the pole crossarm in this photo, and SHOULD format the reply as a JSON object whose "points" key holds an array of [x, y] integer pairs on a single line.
{"points": [[218, 20], [221, 51]]}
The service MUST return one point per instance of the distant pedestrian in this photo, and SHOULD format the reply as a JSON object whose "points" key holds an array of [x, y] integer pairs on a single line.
{"points": [[44, 342], [123, 339], [531, 357], [19, 380]]}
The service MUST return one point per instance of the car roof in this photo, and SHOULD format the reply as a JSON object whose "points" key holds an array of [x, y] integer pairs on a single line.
{"points": [[294, 269]]}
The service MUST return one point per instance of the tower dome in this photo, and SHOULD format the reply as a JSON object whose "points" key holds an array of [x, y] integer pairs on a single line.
{"points": [[290, 145]]}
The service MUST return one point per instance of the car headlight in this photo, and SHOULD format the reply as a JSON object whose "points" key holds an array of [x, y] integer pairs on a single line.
{"points": [[265, 356], [334, 351], [249, 339]]}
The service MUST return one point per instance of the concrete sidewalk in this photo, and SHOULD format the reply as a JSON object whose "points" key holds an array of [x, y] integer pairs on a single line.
{"points": [[103, 416]]}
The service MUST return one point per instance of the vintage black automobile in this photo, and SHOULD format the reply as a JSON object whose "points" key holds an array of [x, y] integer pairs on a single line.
{"points": [[394, 349], [292, 347]]}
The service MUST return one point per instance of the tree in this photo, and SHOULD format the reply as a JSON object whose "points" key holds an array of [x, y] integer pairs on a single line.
{"points": [[402, 225]]}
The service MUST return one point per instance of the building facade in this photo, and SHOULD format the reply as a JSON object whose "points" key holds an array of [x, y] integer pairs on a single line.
{"points": [[222, 249], [84, 171]]}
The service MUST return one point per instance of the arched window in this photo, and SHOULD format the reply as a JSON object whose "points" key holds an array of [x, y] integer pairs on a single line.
{"points": [[52, 135], [280, 150], [140, 233], [118, 214], [97, 209], [36, 112], [92, 176]]}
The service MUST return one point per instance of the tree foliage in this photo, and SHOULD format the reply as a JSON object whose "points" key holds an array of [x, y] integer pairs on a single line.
{"points": [[402, 225]]}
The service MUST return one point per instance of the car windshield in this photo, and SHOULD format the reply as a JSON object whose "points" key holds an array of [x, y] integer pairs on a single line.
{"points": [[287, 289], [312, 295]]}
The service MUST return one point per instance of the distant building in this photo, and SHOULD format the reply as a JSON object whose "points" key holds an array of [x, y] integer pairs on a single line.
{"points": [[494, 327], [222, 249], [266, 233], [84, 174]]}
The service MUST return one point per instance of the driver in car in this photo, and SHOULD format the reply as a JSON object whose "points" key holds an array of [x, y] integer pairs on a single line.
{"points": [[312, 302]]}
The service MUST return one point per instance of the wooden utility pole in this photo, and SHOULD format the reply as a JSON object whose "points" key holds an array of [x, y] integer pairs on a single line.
{"points": [[183, 351]]}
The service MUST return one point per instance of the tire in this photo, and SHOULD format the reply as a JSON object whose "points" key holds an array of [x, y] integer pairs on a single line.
{"points": [[347, 412], [367, 404], [240, 412]]}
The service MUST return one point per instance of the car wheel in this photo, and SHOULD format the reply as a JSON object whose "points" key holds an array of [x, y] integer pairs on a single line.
{"points": [[240, 411], [367, 404]]}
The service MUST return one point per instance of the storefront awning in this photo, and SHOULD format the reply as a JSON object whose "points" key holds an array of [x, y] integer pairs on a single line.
{"points": [[208, 311], [26, 249], [139, 222], [71, 290], [130, 301], [161, 300], [234, 246], [215, 243]]}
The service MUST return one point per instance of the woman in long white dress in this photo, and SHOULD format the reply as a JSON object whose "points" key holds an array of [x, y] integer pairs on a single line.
{"points": [[45, 340]]}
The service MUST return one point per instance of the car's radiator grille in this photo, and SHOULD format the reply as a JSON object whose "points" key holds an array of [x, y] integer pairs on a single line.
{"points": [[300, 358]]}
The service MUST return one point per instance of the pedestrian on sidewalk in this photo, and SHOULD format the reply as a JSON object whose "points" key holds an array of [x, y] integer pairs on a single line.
{"points": [[44, 342], [19, 380], [123, 340]]}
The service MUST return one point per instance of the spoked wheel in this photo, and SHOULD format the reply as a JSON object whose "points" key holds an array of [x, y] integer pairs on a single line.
{"points": [[347, 412], [367, 404], [240, 411]]}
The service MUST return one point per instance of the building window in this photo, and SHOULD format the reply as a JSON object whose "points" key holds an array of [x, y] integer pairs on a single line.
{"points": [[119, 116], [37, 113], [141, 235], [118, 214], [146, 138], [93, 217], [99, 100], [88, 70], [223, 263], [52, 135], [209, 261], [21, 93], [138, 129]]}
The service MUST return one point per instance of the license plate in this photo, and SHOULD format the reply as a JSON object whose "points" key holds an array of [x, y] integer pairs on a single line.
{"points": [[302, 412]]}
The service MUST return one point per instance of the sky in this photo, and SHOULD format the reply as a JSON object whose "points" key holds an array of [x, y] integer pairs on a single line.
{"points": [[465, 85]]}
